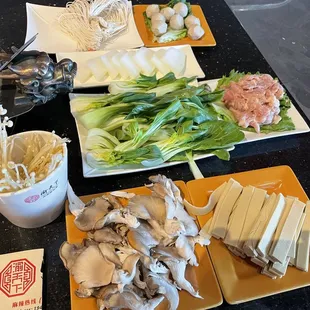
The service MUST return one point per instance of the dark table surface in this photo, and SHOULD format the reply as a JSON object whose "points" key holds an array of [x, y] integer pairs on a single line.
{"points": [[234, 50]]}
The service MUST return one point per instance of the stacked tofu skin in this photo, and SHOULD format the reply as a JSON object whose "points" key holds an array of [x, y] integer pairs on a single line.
{"points": [[272, 231]]}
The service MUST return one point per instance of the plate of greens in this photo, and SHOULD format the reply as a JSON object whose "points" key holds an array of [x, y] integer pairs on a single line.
{"points": [[151, 123]]}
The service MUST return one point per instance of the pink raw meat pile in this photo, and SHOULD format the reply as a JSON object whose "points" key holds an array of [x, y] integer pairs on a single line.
{"points": [[254, 100]]}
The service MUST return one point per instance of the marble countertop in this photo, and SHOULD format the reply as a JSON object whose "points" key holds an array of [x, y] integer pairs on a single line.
{"points": [[234, 50]]}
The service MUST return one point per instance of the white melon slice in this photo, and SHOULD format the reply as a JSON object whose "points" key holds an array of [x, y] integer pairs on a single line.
{"points": [[159, 65], [83, 73], [130, 66], [108, 63], [175, 59], [97, 68], [142, 58], [116, 59]]}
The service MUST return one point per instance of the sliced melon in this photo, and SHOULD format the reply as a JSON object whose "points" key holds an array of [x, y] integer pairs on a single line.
{"points": [[142, 58], [116, 59], [159, 65], [128, 63], [108, 63], [175, 59], [97, 68]]}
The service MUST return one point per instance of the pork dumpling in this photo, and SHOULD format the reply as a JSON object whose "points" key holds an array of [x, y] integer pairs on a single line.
{"points": [[191, 20], [195, 32], [181, 8], [159, 27], [168, 12], [176, 22], [158, 17], [152, 9]]}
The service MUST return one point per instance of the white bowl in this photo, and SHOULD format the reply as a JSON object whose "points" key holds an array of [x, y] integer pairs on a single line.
{"points": [[42, 203]]}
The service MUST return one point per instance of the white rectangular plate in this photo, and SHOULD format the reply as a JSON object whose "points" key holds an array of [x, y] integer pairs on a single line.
{"points": [[88, 172], [192, 66], [42, 19]]}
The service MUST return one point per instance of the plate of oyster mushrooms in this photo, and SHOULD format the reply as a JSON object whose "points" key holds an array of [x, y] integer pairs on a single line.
{"points": [[138, 249]]}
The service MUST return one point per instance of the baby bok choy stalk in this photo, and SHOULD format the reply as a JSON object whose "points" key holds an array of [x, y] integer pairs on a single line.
{"points": [[83, 103], [141, 84], [99, 117], [149, 84], [176, 144], [142, 137], [100, 139]]}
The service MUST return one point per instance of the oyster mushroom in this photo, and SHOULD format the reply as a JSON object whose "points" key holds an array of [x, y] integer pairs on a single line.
{"points": [[124, 252], [88, 242], [174, 227], [106, 291], [164, 251], [160, 190], [92, 213], [125, 275], [186, 247], [113, 201], [83, 292], [69, 253], [190, 226], [118, 216], [153, 265], [92, 269], [137, 278], [122, 194], [162, 286], [108, 251], [172, 189], [178, 268], [154, 206], [106, 234], [143, 238], [129, 300], [186, 250], [160, 232], [121, 229]]}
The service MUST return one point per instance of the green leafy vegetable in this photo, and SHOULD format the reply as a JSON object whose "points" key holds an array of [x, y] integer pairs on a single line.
{"points": [[147, 21], [172, 35], [141, 137], [225, 113], [141, 84], [234, 76], [99, 117]]}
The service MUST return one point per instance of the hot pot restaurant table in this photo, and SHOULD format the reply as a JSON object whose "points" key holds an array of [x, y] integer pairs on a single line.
{"points": [[234, 50]]}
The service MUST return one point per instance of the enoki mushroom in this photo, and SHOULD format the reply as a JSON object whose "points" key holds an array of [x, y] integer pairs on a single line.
{"points": [[93, 22], [38, 158]]}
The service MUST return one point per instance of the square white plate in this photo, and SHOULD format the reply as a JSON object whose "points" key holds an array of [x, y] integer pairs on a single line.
{"points": [[88, 172], [192, 66], [42, 19]]}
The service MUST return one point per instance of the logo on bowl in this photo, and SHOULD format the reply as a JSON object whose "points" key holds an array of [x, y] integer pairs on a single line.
{"points": [[32, 198]]}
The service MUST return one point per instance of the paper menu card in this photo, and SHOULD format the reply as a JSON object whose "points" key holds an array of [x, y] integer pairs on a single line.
{"points": [[21, 280]]}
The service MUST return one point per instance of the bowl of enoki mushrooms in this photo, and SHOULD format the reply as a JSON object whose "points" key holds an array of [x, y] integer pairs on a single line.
{"points": [[33, 175]]}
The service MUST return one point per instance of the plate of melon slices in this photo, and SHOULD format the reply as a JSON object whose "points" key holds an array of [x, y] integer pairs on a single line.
{"points": [[100, 68]]}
